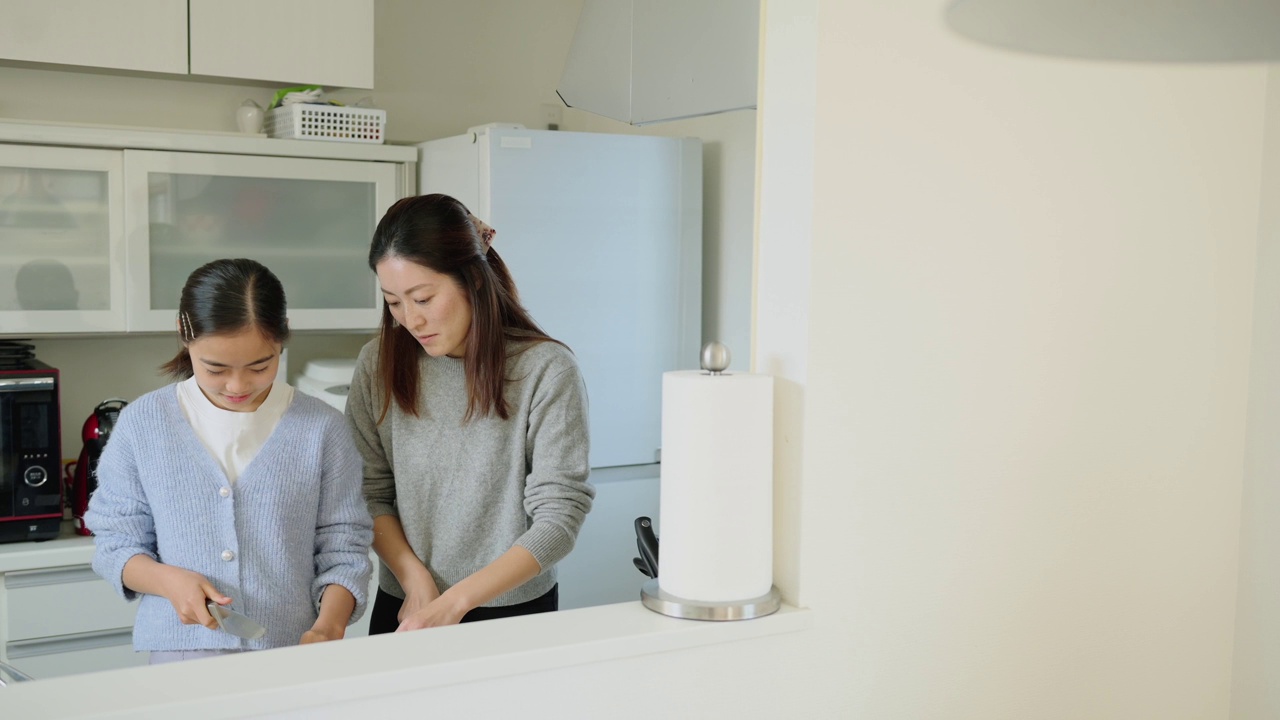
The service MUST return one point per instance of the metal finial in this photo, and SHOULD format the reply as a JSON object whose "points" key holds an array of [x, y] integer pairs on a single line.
{"points": [[715, 357]]}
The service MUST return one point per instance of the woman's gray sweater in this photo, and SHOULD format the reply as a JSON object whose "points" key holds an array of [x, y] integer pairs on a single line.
{"points": [[466, 492]]}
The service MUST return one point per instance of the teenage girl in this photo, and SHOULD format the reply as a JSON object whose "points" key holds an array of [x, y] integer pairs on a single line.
{"points": [[227, 486]]}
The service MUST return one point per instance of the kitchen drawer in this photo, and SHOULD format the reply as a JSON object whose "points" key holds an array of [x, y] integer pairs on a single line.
{"points": [[62, 601], [75, 654]]}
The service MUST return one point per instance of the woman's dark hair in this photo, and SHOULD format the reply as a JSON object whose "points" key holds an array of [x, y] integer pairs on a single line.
{"points": [[437, 232], [225, 297]]}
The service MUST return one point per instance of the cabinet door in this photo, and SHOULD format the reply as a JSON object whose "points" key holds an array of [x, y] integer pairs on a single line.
{"points": [[317, 42], [74, 655], [62, 230], [64, 620], [148, 35], [309, 221]]}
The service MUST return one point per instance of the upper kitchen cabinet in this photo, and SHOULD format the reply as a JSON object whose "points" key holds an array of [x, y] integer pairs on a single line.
{"points": [[100, 226], [291, 42], [308, 220], [143, 35], [660, 60], [314, 42], [61, 227]]}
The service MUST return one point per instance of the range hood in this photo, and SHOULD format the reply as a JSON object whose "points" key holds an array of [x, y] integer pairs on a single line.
{"points": [[646, 61]]}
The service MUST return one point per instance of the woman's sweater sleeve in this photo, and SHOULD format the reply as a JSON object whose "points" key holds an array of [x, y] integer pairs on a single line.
{"points": [[363, 409], [557, 494], [119, 514], [343, 527]]}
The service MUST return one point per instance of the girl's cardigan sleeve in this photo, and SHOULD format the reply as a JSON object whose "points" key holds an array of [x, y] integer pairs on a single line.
{"points": [[119, 513]]}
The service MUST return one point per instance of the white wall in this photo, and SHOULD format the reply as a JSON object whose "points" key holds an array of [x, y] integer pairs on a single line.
{"points": [[1257, 641], [1032, 415], [1024, 406]]}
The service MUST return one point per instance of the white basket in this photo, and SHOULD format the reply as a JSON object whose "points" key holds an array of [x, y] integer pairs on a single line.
{"points": [[326, 122]]}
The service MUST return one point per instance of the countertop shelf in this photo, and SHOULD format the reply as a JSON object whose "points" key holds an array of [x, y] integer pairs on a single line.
{"points": [[67, 549]]}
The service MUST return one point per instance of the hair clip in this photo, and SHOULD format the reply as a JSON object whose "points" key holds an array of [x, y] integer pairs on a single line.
{"points": [[486, 233]]}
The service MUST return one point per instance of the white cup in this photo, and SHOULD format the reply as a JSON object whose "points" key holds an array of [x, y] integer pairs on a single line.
{"points": [[249, 117]]}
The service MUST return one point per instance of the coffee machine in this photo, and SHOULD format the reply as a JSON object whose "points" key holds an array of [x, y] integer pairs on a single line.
{"points": [[97, 428], [30, 451]]}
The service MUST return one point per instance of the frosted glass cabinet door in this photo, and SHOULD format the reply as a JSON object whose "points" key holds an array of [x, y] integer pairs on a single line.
{"points": [[62, 234], [309, 221]]}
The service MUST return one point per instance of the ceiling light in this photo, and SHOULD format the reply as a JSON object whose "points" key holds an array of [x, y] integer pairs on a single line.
{"points": [[1187, 31]]}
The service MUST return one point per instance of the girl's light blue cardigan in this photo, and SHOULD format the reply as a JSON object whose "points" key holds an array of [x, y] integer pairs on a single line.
{"points": [[294, 523]]}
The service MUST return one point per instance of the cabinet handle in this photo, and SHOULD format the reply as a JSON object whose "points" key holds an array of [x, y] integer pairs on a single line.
{"points": [[69, 643], [34, 578]]}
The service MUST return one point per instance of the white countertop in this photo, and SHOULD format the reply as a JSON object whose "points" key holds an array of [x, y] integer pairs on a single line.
{"points": [[67, 549], [296, 678]]}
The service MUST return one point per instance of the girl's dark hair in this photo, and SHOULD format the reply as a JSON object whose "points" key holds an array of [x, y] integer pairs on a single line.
{"points": [[437, 232], [224, 297]]}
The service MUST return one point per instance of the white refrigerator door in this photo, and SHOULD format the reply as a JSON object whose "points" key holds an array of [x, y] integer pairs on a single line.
{"points": [[603, 234]]}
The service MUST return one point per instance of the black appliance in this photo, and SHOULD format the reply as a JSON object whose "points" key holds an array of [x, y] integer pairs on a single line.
{"points": [[30, 450], [84, 479]]}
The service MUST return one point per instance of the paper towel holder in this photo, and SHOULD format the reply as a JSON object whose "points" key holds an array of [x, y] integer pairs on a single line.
{"points": [[715, 360], [658, 600]]}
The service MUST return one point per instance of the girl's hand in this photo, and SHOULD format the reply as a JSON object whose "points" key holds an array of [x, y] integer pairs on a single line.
{"points": [[322, 632], [336, 605], [444, 610], [188, 592]]}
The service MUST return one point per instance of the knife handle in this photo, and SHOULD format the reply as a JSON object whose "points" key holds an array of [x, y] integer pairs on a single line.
{"points": [[647, 542]]}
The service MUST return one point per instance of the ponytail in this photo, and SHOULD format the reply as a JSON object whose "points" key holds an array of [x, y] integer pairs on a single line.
{"points": [[180, 367]]}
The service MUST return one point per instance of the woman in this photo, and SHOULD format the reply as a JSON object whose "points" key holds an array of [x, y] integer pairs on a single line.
{"points": [[473, 427]]}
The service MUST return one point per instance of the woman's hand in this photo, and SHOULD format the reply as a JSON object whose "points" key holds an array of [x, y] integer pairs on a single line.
{"points": [[188, 592], [416, 599], [444, 610], [512, 569]]}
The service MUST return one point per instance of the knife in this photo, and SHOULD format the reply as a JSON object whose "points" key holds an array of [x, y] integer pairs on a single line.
{"points": [[647, 543], [235, 623]]}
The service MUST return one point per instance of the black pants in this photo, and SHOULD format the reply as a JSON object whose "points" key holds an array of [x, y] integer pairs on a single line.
{"points": [[385, 608]]}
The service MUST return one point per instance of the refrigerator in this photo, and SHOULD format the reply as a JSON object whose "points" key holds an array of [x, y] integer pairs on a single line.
{"points": [[603, 235]]}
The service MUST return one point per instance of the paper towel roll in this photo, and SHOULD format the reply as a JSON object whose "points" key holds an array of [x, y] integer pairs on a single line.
{"points": [[716, 485]]}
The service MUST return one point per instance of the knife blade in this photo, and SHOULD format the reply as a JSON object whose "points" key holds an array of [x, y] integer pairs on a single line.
{"points": [[238, 624]]}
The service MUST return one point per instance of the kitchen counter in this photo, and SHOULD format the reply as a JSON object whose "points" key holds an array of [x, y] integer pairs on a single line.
{"points": [[67, 549], [332, 675]]}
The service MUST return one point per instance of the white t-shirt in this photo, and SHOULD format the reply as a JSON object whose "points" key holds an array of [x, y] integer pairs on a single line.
{"points": [[233, 438]]}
